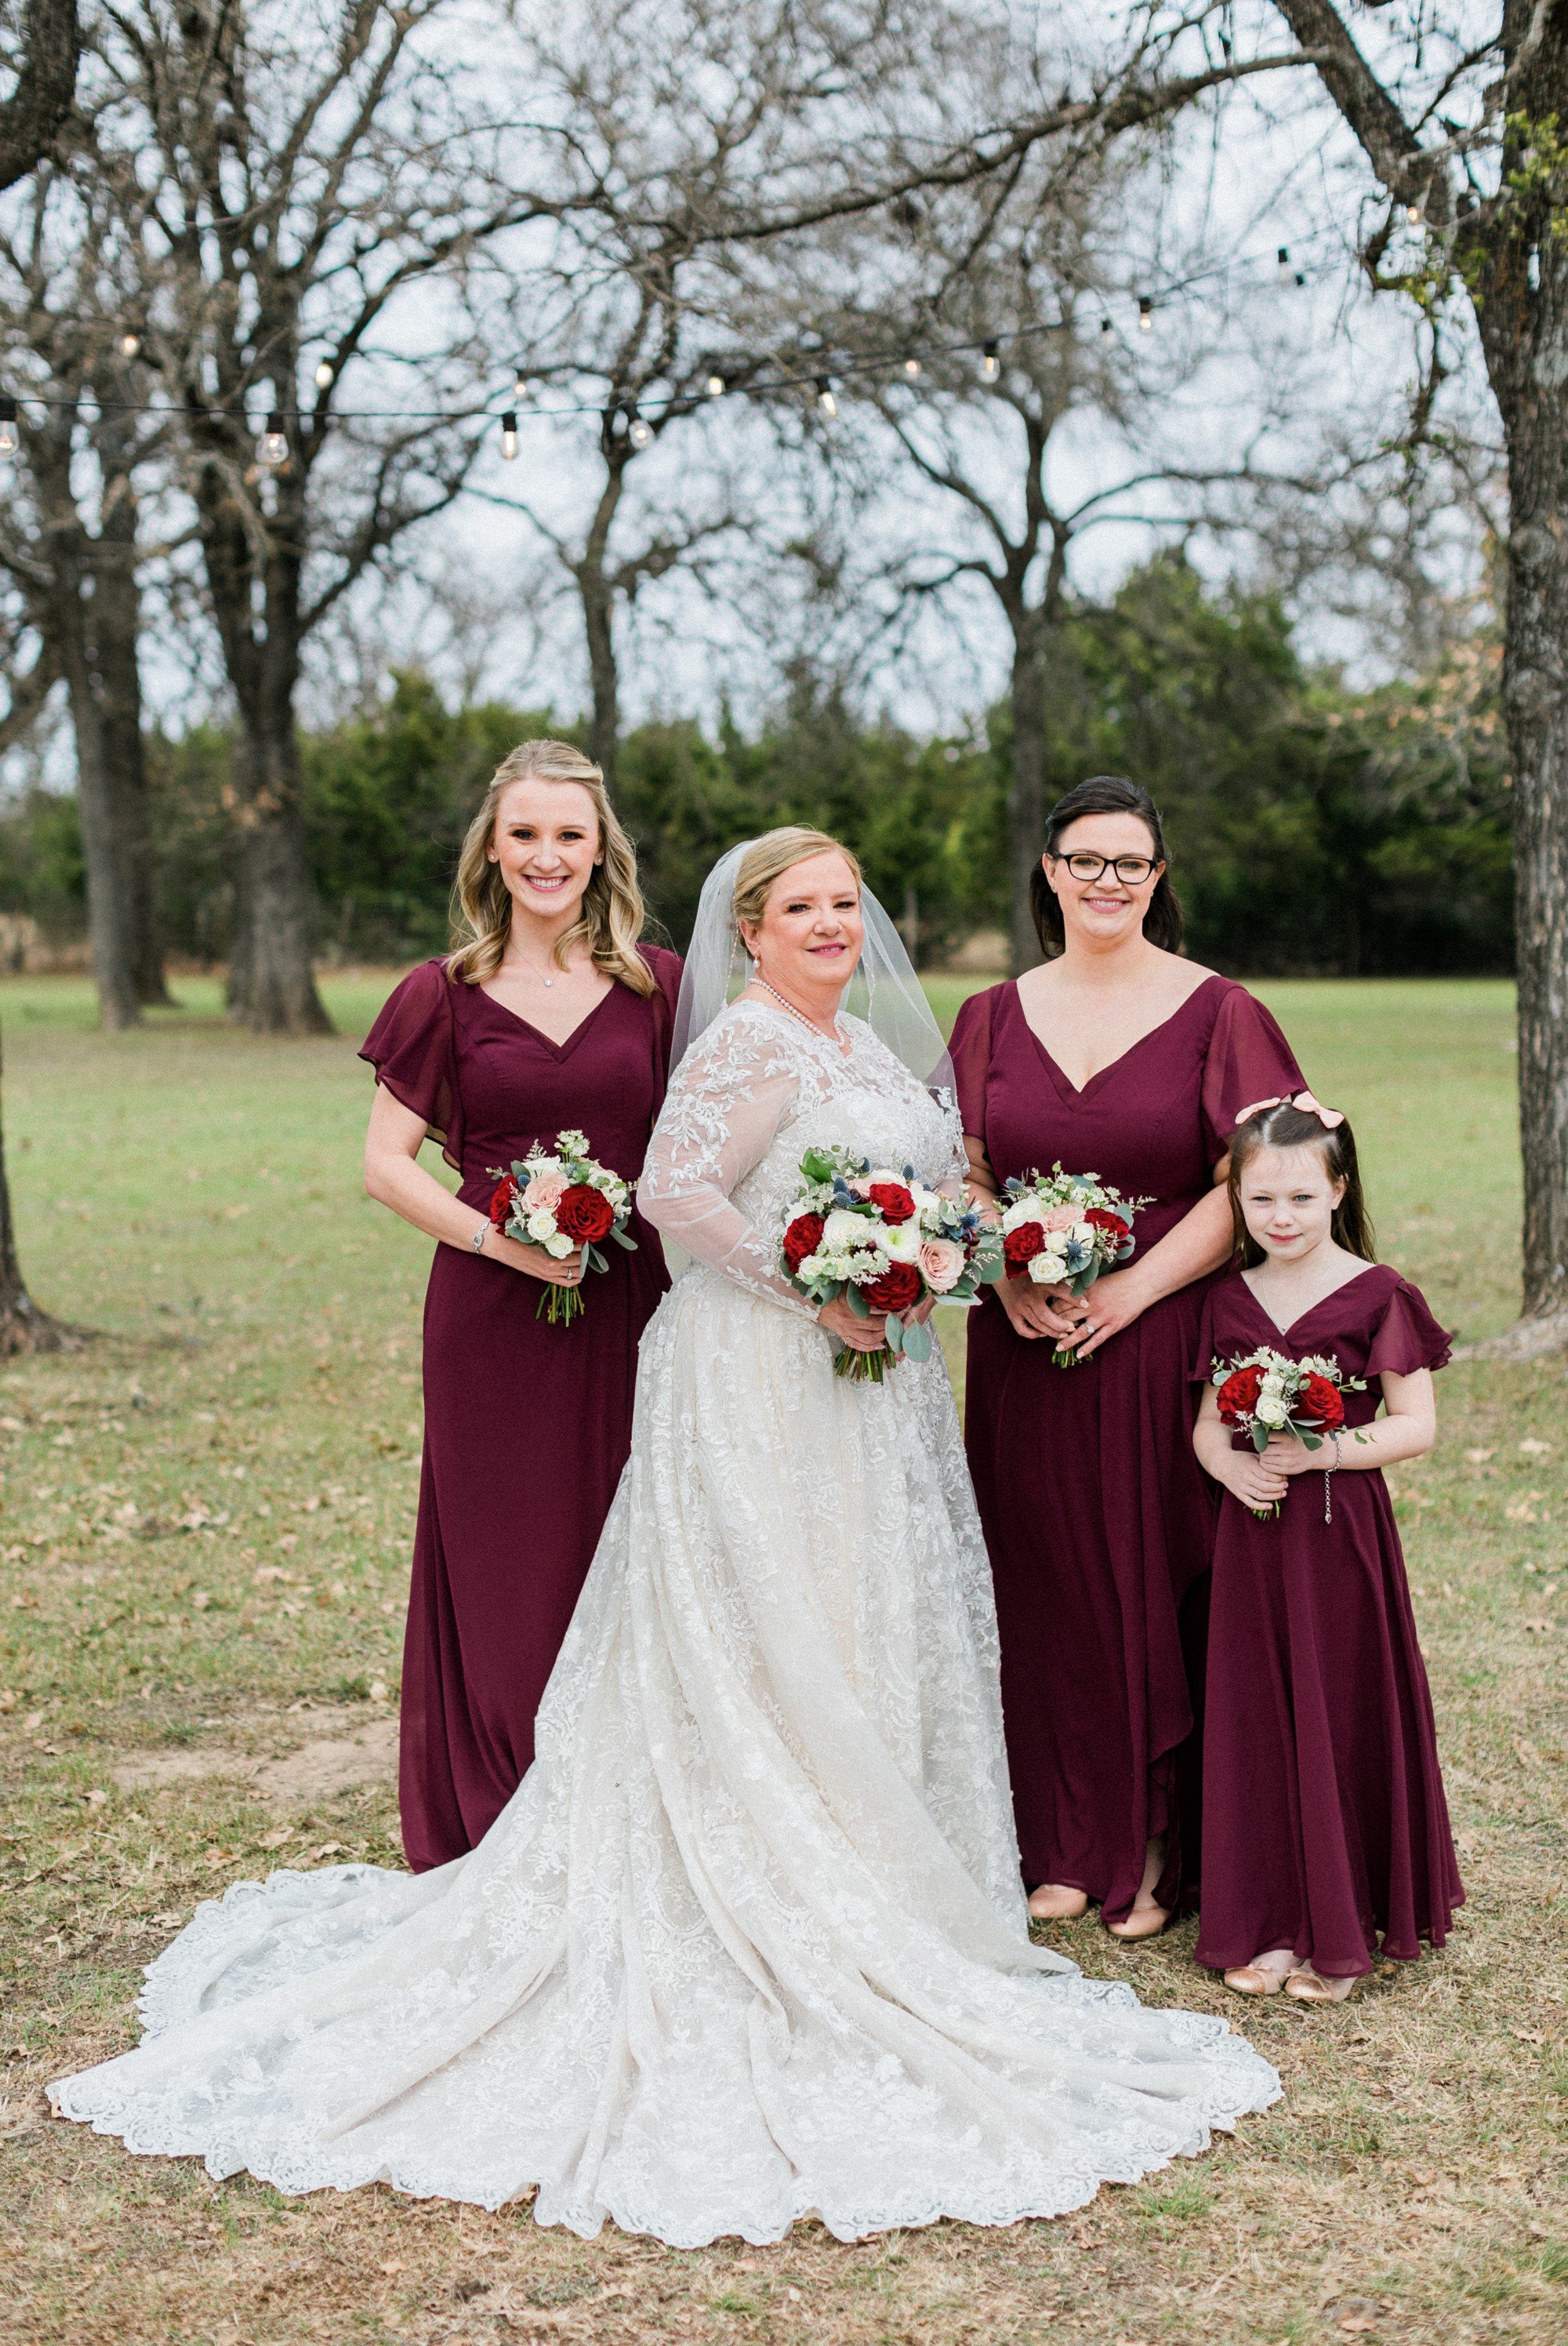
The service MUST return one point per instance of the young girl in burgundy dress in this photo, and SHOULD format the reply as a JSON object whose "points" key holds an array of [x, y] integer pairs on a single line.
{"points": [[1324, 1821]]}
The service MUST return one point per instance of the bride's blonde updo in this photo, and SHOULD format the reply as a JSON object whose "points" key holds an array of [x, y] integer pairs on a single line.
{"points": [[768, 858], [611, 919]]}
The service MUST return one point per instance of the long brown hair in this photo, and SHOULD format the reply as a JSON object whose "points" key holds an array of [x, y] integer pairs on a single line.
{"points": [[1105, 794], [611, 919], [1286, 1127]]}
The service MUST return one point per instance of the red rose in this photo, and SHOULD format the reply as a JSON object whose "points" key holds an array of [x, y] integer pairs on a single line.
{"points": [[900, 1286], [584, 1212], [1021, 1246], [1103, 1219], [1238, 1394], [892, 1200], [803, 1238], [501, 1203], [1321, 1399]]}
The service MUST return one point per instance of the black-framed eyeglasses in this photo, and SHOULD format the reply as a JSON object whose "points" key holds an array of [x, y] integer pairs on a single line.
{"points": [[1131, 870]]}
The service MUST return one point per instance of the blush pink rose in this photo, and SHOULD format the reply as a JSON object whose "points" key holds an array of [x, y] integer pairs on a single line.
{"points": [[1062, 1217], [942, 1260], [543, 1193]]}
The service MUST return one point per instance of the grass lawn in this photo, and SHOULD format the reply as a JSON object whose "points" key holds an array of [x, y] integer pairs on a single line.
{"points": [[204, 1532]]}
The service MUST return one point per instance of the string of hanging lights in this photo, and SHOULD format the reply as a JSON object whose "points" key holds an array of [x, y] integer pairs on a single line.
{"points": [[737, 378]]}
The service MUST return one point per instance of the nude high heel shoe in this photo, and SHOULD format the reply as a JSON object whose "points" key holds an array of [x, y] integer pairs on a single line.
{"points": [[1307, 1987]]}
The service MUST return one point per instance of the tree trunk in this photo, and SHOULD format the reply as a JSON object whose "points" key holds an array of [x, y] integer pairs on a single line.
{"points": [[110, 927], [117, 625], [23, 1327], [31, 116], [272, 989], [604, 678], [1026, 793], [1524, 335]]}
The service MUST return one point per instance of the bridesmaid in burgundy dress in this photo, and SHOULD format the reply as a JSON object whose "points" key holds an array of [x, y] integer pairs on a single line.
{"points": [[1324, 1821], [550, 1017], [1117, 1057]]}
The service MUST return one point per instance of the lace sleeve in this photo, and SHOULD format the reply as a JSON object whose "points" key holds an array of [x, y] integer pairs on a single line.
{"points": [[726, 1102]]}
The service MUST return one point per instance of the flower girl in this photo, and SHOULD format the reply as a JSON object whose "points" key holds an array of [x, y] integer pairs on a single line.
{"points": [[1324, 1821]]}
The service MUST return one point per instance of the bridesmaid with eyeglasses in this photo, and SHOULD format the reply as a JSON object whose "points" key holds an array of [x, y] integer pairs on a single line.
{"points": [[1116, 1057]]}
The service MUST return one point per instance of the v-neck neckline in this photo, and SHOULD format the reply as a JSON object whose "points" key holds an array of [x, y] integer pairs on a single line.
{"points": [[1302, 1317], [559, 1050], [1077, 1092]]}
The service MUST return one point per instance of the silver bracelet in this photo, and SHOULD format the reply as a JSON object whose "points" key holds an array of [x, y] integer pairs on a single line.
{"points": [[480, 1235]]}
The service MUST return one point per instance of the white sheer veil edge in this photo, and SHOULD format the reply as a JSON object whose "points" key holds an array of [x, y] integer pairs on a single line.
{"points": [[884, 990]]}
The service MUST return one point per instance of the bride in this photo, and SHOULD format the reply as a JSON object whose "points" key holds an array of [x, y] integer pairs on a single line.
{"points": [[748, 1944]]}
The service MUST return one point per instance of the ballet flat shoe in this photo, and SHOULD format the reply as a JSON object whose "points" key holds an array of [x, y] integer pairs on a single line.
{"points": [[1308, 1988], [1144, 1923], [1077, 1903], [1251, 1979]]}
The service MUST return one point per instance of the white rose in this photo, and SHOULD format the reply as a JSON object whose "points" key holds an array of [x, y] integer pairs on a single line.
{"points": [[560, 1246], [1044, 1271], [542, 1225], [902, 1243], [1271, 1410], [843, 1229], [1082, 1233], [1023, 1210]]}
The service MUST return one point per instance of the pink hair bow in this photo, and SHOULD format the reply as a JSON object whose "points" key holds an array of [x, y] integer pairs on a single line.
{"points": [[1327, 1116]]}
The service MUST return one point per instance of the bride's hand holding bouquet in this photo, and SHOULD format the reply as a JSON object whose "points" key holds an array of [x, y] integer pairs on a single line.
{"points": [[875, 1249]]}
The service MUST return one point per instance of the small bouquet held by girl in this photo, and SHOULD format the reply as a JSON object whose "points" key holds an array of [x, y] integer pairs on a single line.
{"points": [[1267, 1394], [1063, 1230], [885, 1241], [561, 1200]]}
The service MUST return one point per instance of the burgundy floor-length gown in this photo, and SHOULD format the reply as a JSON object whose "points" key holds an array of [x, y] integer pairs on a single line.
{"points": [[1323, 1819], [1096, 1514], [526, 1425]]}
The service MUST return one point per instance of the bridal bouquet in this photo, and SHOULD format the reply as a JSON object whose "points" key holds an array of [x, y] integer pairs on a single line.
{"points": [[1063, 1230], [884, 1240], [561, 1200], [1267, 1392]]}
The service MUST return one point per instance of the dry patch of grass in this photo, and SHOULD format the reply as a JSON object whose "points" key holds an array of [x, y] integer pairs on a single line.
{"points": [[204, 1531]]}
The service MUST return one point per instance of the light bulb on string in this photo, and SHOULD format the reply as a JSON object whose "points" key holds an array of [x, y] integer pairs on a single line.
{"points": [[520, 388], [509, 434], [272, 448], [1413, 214], [715, 386], [1289, 276], [911, 368], [825, 399], [639, 431], [1145, 314], [9, 442], [1107, 327], [324, 374], [129, 345], [991, 363]]}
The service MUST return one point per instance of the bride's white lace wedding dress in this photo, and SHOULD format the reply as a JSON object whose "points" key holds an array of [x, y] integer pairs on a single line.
{"points": [[749, 1942]]}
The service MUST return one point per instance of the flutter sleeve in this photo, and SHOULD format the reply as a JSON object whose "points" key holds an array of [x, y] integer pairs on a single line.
{"points": [[726, 1102], [1248, 1059], [1407, 1337], [1203, 1351], [970, 1051], [412, 1050]]}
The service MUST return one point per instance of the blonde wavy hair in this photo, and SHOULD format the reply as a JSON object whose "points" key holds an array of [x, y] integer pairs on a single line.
{"points": [[612, 915], [768, 858]]}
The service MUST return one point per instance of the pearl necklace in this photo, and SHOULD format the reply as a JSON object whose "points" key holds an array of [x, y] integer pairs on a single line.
{"points": [[518, 962], [809, 1023]]}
